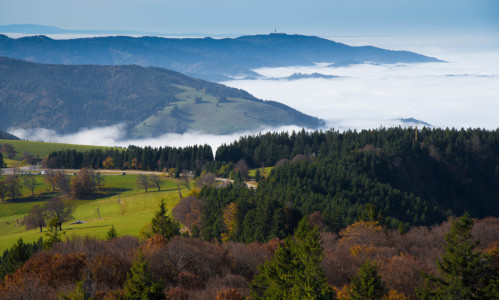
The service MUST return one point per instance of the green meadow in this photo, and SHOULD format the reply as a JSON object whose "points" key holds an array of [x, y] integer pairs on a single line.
{"points": [[39, 149], [120, 203]]}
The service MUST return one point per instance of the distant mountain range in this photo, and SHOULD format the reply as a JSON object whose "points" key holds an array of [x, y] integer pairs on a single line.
{"points": [[148, 101], [205, 58]]}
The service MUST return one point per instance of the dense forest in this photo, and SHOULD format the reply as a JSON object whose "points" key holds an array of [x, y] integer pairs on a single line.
{"points": [[133, 157]]}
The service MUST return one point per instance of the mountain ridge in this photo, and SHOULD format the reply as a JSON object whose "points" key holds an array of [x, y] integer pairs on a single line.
{"points": [[204, 58]]}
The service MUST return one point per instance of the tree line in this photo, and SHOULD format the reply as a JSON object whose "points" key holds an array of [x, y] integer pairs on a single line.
{"points": [[133, 157]]}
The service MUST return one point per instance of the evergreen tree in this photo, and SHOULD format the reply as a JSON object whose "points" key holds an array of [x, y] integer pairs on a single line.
{"points": [[367, 284], [53, 235], [464, 273], [111, 233], [163, 224], [140, 283], [295, 272]]}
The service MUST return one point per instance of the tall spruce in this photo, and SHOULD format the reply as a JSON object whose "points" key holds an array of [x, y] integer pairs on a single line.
{"points": [[163, 224], [367, 284], [140, 283], [295, 272], [463, 272]]}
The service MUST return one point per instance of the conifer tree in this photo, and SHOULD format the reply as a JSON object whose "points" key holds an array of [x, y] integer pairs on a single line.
{"points": [[111, 233], [140, 283], [367, 284], [295, 272], [163, 224], [464, 273], [53, 235]]}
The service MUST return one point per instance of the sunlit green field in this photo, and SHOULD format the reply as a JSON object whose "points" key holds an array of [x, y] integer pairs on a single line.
{"points": [[40, 149], [120, 203]]}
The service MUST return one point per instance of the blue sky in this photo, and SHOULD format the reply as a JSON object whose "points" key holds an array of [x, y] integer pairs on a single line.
{"points": [[317, 17]]}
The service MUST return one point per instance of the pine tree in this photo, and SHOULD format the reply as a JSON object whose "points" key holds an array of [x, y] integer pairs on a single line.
{"points": [[53, 235], [295, 272], [140, 283], [163, 224], [367, 284], [111, 233], [464, 273]]}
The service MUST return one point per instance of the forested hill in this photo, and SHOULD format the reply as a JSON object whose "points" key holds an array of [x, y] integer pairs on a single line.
{"points": [[206, 58], [383, 175], [149, 101]]}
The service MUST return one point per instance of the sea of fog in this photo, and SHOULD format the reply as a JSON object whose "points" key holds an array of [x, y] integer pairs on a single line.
{"points": [[463, 91]]}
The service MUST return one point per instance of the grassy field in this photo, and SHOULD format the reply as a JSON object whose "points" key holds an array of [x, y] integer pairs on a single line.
{"points": [[265, 172], [120, 203], [39, 149]]}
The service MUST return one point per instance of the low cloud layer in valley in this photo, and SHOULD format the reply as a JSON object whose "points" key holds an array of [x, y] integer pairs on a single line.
{"points": [[462, 92]]}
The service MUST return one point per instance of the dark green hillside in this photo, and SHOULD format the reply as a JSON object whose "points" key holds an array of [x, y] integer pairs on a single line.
{"points": [[148, 101], [383, 174]]}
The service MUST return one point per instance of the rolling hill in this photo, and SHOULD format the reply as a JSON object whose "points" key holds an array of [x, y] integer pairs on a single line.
{"points": [[148, 101], [205, 58]]}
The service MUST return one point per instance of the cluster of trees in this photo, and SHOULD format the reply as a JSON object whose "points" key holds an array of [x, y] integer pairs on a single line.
{"points": [[9, 150], [147, 158], [55, 208], [13, 258], [459, 260], [2, 164]]}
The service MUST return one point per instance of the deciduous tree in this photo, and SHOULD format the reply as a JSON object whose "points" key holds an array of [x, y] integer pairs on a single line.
{"points": [[9, 150], [156, 180], [30, 183], [143, 181], [61, 210], [13, 185], [35, 218]]}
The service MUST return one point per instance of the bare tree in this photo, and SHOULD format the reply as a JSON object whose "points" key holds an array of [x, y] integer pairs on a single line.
{"points": [[97, 179], [156, 180], [3, 190], [9, 150], [186, 178], [14, 186], [64, 183], [30, 182], [51, 177], [143, 181], [62, 210], [35, 218], [29, 158], [205, 179], [242, 168]]}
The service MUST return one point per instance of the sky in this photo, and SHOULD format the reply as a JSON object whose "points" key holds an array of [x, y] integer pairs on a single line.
{"points": [[232, 17]]}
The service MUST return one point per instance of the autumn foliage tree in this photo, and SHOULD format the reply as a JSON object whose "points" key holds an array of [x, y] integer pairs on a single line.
{"points": [[82, 185], [35, 218]]}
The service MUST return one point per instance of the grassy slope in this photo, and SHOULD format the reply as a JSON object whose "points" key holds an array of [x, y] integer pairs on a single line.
{"points": [[235, 115], [41, 148], [121, 204]]}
